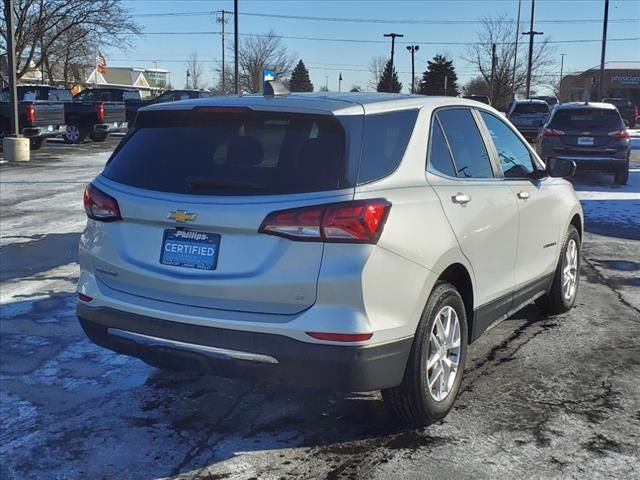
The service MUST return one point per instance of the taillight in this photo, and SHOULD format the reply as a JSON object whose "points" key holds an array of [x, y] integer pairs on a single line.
{"points": [[100, 111], [31, 113], [552, 132], [620, 134], [360, 221], [100, 206]]}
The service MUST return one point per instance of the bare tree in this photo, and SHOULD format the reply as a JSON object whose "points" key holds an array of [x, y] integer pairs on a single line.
{"points": [[256, 53], [477, 86], [376, 68], [70, 56], [194, 69], [500, 29], [41, 24]]}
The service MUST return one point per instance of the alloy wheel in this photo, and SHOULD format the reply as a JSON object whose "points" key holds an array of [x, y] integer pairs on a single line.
{"points": [[570, 270], [443, 355]]}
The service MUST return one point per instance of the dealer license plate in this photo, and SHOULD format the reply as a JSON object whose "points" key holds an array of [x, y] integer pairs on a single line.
{"points": [[185, 248]]}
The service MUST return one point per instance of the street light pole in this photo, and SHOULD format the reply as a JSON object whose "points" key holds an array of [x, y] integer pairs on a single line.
{"points": [[531, 34], [236, 46], [561, 70], [604, 48], [413, 49], [393, 44], [515, 55], [11, 54]]}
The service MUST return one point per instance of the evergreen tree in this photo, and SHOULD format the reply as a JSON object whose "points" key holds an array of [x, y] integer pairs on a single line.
{"points": [[432, 82], [299, 81], [389, 80]]}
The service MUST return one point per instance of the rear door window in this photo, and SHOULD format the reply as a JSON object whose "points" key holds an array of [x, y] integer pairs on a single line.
{"points": [[468, 149], [440, 160], [384, 142], [586, 119], [233, 152]]}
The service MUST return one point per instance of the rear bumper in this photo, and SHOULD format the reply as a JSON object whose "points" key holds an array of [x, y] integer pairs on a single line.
{"points": [[43, 132], [113, 127], [249, 355]]}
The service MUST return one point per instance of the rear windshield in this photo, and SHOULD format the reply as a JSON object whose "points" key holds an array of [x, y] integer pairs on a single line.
{"points": [[232, 152], [586, 118], [526, 108]]}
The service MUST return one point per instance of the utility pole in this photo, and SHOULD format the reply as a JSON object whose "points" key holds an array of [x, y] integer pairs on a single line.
{"points": [[413, 49], [326, 83], [340, 82], [393, 44], [236, 46], [11, 54], [531, 34], [604, 48], [515, 55], [446, 82], [561, 70], [493, 73], [222, 21], [187, 83]]}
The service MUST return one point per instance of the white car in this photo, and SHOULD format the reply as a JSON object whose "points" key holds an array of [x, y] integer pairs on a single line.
{"points": [[354, 242]]}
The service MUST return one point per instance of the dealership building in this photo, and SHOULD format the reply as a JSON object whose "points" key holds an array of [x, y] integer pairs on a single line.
{"points": [[621, 80]]}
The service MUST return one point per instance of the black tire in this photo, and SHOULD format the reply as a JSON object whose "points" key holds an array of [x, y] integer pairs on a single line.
{"points": [[74, 134], [555, 302], [36, 143], [622, 176], [412, 400], [98, 136]]}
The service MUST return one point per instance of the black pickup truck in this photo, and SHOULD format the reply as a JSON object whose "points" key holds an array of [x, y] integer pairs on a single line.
{"points": [[129, 96], [85, 115], [37, 120]]}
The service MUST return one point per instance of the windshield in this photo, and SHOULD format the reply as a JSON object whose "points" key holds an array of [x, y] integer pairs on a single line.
{"points": [[586, 119], [529, 108], [227, 152]]}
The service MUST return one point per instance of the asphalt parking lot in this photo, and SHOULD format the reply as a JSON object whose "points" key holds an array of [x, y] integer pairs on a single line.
{"points": [[542, 397]]}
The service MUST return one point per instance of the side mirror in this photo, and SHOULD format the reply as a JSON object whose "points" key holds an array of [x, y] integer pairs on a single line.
{"points": [[560, 167]]}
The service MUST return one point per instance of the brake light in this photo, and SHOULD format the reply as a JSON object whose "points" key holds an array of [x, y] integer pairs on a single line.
{"points": [[100, 111], [341, 337], [100, 206], [552, 132], [359, 221], [31, 113], [620, 134]]}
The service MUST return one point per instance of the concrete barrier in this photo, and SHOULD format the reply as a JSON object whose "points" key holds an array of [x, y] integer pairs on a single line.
{"points": [[16, 149]]}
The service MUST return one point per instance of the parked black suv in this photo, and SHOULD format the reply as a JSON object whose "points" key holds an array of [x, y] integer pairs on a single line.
{"points": [[591, 134], [626, 108], [37, 119]]}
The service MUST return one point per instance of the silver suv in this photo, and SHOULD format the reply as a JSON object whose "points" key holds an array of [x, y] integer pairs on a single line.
{"points": [[354, 242]]}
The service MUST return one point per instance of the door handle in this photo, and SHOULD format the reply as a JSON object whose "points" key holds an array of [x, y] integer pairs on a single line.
{"points": [[523, 195], [461, 198]]}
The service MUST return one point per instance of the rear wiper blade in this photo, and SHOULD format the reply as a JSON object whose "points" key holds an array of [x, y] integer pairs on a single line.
{"points": [[204, 183]]}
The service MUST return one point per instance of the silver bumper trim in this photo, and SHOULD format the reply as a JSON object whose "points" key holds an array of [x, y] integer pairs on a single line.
{"points": [[212, 351]]}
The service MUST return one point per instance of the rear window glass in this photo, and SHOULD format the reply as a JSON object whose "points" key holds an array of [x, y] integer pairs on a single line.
{"points": [[586, 118], [526, 108], [232, 153], [385, 139]]}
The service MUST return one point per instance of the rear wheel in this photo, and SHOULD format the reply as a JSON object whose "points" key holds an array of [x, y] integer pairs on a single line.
{"points": [[98, 136], [564, 289], [36, 143], [622, 176], [74, 134], [434, 370]]}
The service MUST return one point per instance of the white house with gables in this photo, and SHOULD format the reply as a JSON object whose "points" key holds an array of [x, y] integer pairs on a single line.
{"points": [[148, 81]]}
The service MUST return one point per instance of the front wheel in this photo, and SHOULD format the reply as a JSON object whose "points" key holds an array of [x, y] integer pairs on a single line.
{"points": [[434, 369], [564, 289]]}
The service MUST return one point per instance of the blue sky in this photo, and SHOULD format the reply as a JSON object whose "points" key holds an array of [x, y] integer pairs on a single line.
{"points": [[326, 59]]}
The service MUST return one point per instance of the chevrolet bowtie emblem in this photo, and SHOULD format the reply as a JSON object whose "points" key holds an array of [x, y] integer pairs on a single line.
{"points": [[182, 216]]}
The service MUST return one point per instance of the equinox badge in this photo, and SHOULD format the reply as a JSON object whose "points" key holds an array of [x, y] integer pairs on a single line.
{"points": [[182, 216]]}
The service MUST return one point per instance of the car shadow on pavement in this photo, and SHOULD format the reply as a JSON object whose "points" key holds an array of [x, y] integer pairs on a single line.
{"points": [[177, 422], [40, 254]]}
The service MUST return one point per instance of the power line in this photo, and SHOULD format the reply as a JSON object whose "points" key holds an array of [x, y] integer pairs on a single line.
{"points": [[376, 20], [356, 40]]}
